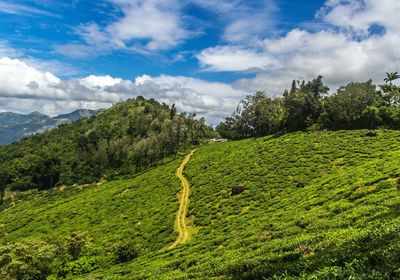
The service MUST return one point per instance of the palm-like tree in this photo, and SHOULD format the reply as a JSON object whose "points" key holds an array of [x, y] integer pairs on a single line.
{"points": [[390, 77]]}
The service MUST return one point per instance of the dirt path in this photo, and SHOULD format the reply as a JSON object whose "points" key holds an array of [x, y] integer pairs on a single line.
{"points": [[180, 221]]}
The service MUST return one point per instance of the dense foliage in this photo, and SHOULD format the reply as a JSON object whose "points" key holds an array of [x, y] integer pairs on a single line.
{"points": [[307, 106], [124, 140], [316, 205]]}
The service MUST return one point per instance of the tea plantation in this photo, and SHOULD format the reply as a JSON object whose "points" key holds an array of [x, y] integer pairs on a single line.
{"points": [[318, 205]]}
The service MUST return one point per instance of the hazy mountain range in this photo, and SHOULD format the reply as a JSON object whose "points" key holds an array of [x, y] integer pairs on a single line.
{"points": [[14, 126]]}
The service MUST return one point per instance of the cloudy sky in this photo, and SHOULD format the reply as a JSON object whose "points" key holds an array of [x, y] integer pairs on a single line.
{"points": [[203, 55]]}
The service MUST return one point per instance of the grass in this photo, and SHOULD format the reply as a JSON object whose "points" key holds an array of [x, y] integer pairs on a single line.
{"points": [[142, 208], [320, 205]]}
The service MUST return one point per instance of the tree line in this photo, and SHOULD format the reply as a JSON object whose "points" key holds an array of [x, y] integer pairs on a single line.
{"points": [[126, 139], [309, 106]]}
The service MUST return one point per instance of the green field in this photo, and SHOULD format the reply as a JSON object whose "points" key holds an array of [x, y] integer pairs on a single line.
{"points": [[318, 205]]}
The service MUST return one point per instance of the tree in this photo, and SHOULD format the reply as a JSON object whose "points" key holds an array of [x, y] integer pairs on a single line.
{"points": [[391, 76], [390, 91], [257, 115], [172, 112], [6, 179], [353, 106], [304, 103], [371, 116]]}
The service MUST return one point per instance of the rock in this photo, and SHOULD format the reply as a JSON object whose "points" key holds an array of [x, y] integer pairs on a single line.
{"points": [[371, 133], [237, 190], [300, 185]]}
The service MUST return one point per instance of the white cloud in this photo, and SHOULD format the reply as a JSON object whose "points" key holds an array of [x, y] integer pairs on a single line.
{"points": [[242, 20], [212, 100], [248, 22], [24, 88], [13, 8], [19, 80], [157, 21], [144, 26], [6, 50], [345, 49], [358, 16], [234, 58]]}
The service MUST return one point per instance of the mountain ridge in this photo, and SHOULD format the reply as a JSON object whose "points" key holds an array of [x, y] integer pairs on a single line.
{"points": [[15, 126]]}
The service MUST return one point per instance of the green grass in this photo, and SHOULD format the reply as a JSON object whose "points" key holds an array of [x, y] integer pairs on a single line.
{"points": [[321, 205], [142, 208]]}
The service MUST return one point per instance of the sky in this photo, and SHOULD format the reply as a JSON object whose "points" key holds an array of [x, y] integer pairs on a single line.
{"points": [[204, 56]]}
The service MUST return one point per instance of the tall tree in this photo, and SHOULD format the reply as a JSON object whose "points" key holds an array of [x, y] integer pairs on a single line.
{"points": [[391, 76], [5, 181], [304, 104], [390, 91]]}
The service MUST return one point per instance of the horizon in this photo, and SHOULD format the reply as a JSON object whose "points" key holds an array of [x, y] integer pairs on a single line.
{"points": [[203, 56]]}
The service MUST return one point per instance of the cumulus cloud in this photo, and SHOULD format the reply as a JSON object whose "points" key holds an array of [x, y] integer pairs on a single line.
{"points": [[234, 58], [144, 26], [347, 48], [19, 80], [358, 16], [24, 88], [208, 99]]}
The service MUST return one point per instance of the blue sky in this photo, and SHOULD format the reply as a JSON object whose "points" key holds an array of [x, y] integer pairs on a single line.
{"points": [[203, 55], [41, 28]]}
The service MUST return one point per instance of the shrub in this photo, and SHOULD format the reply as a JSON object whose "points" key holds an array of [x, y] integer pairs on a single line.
{"points": [[29, 260], [76, 244], [125, 251], [81, 266]]}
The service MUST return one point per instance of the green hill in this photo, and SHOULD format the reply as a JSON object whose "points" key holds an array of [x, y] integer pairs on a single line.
{"points": [[318, 205], [125, 139]]}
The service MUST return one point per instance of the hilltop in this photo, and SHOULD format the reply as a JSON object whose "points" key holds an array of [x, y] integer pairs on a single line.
{"points": [[121, 141], [311, 205]]}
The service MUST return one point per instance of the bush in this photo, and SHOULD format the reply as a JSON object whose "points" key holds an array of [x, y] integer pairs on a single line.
{"points": [[76, 244], [125, 251], [30, 260], [80, 266]]}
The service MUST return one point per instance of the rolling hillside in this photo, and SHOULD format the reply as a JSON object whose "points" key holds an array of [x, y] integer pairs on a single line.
{"points": [[320, 205]]}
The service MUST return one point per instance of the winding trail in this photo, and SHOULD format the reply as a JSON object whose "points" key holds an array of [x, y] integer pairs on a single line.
{"points": [[180, 221]]}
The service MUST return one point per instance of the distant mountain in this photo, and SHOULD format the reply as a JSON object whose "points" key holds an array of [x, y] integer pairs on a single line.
{"points": [[14, 126], [76, 115]]}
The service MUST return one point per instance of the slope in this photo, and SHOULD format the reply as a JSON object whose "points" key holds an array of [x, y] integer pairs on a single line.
{"points": [[322, 205], [140, 210], [125, 139]]}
